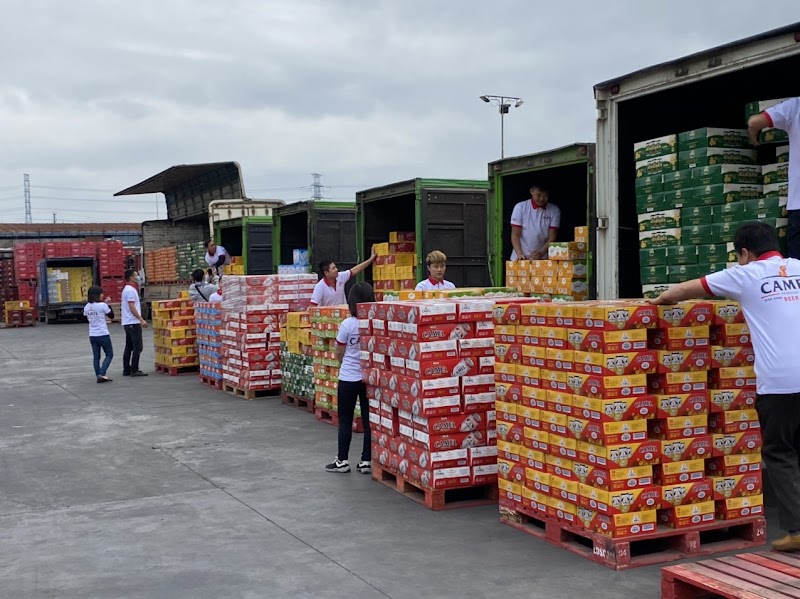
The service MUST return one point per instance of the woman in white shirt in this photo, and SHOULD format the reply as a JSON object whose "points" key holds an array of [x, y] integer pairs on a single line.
{"points": [[96, 311], [351, 387]]}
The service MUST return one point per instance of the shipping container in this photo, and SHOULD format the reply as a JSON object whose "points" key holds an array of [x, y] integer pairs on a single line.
{"points": [[568, 175], [245, 228], [707, 89], [445, 214], [65, 299], [326, 229]]}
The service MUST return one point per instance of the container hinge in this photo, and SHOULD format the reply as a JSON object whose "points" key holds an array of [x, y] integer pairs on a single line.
{"points": [[602, 222], [602, 110]]}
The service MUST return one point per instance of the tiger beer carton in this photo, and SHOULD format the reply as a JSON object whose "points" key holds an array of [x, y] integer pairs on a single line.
{"points": [[607, 433], [696, 491], [631, 524], [686, 516], [729, 357], [672, 473], [736, 443], [733, 421], [731, 465], [614, 410], [684, 360], [620, 502], [681, 404], [688, 448], [678, 427], [738, 485], [737, 508], [613, 479], [622, 455], [615, 364]]}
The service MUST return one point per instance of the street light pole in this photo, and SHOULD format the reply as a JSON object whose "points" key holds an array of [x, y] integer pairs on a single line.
{"points": [[504, 104]]}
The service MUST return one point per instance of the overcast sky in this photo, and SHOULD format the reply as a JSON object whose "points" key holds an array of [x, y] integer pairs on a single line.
{"points": [[101, 94]]}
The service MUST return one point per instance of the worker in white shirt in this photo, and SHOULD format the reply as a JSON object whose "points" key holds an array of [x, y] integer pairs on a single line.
{"points": [[330, 289], [437, 266], [216, 256], [786, 116], [768, 288], [200, 290], [534, 225]]}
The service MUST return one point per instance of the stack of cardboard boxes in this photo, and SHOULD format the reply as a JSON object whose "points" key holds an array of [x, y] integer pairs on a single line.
{"points": [[299, 263], [69, 283], [175, 333], [606, 421], [8, 286], [429, 368], [162, 265], [395, 267], [296, 355], [324, 328], [208, 319], [189, 256]]}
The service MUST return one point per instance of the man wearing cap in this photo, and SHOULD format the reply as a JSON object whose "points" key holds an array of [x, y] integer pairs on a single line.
{"points": [[534, 225]]}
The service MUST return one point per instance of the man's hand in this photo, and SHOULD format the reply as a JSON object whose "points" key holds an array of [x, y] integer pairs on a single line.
{"points": [[660, 301], [755, 125], [373, 255], [107, 300], [144, 323]]}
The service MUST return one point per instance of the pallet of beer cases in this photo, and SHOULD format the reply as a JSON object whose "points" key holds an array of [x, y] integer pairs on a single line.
{"points": [[430, 382], [297, 362], [254, 307], [174, 336], [208, 319], [626, 430], [324, 328]]}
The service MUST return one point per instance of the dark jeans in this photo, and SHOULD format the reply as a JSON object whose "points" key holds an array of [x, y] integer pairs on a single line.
{"points": [[793, 234], [133, 348], [779, 416], [103, 342], [349, 393]]}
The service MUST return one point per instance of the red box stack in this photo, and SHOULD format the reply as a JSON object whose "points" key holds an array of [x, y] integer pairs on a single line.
{"points": [[429, 367], [8, 286], [111, 264]]}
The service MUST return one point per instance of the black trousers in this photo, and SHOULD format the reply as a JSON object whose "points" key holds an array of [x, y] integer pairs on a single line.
{"points": [[779, 416], [349, 393], [133, 348], [793, 234]]}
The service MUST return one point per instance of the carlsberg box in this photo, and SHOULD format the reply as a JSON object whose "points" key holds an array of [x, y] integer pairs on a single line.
{"points": [[711, 156], [656, 256], [656, 166], [680, 198], [726, 173], [649, 185], [772, 207], [661, 238], [682, 254], [712, 137]]}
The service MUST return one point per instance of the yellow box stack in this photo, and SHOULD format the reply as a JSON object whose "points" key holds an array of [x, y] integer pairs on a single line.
{"points": [[296, 355], [324, 328], [395, 268], [69, 283], [174, 334]]}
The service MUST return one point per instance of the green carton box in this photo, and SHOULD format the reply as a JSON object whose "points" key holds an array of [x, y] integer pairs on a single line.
{"points": [[776, 190], [776, 223], [782, 154], [734, 212], [666, 219], [678, 180], [656, 166], [710, 156], [772, 207], [775, 173], [727, 193], [656, 256], [661, 238], [681, 254], [697, 215], [653, 291], [653, 148], [684, 272], [713, 137], [727, 173], [712, 253], [653, 274], [653, 202], [649, 185], [680, 198], [697, 235], [707, 269], [724, 232], [760, 106], [772, 135]]}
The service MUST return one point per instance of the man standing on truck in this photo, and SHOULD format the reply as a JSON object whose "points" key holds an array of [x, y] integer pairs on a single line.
{"points": [[786, 116], [133, 323], [534, 225], [216, 256], [330, 288], [766, 284], [437, 266]]}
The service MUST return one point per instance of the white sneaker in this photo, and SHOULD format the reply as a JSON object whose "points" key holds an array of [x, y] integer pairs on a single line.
{"points": [[364, 467], [338, 466]]}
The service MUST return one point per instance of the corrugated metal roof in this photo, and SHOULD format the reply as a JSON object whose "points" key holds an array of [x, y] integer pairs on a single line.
{"points": [[181, 174], [54, 228]]}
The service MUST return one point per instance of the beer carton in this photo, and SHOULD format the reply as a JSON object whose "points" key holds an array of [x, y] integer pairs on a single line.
{"points": [[733, 212], [678, 180], [619, 502], [607, 342], [678, 382], [727, 357], [559, 402], [510, 491], [614, 410], [655, 184], [772, 207], [653, 257], [731, 465], [712, 253], [685, 272], [688, 448], [532, 459], [687, 516], [562, 510], [554, 422], [509, 470], [581, 234], [615, 364], [607, 387], [680, 198], [555, 380], [534, 397], [559, 466], [776, 190], [653, 148], [695, 235], [782, 154], [559, 359], [673, 473], [553, 336], [657, 165], [679, 427], [667, 219], [733, 421], [538, 481], [660, 238], [698, 157], [696, 491], [652, 275], [536, 438], [622, 455], [686, 314], [736, 443], [631, 524], [562, 488], [679, 338], [740, 507], [507, 450], [653, 291], [614, 479], [533, 355], [695, 216], [738, 485], [712, 137], [681, 404], [736, 377], [731, 335], [683, 360], [534, 500], [528, 416], [567, 250], [719, 174], [607, 433], [651, 202]]}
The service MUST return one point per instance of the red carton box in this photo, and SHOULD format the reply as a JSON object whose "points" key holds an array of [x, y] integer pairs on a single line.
{"points": [[681, 404], [688, 448], [738, 377], [727, 357], [731, 399], [731, 465], [622, 455], [678, 382], [459, 423], [696, 491], [687, 516], [733, 421], [731, 335], [684, 360], [614, 410], [686, 314], [678, 427], [614, 479], [607, 387], [614, 316], [735, 443], [727, 312], [673, 473], [608, 342], [622, 501], [616, 526], [738, 485], [607, 433], [679, 338], [740, 507]]}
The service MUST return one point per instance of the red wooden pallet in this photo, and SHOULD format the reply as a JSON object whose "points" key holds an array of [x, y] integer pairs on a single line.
{"points": [[664, 545], [768, 575], [435, 499], [176, 370], [304, 403], [332, 418], [250, 394], [213, 383]]}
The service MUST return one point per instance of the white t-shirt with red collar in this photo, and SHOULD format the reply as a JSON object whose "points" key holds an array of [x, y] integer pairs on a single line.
{"points": [[429, 285], [326, 294], [535, 223], [769, 292], [349, 337], [786, 116]]}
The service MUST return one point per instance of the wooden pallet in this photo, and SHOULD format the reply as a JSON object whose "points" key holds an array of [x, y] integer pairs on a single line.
{"points": [[177, 370], [250, 394], [16, 325], [664, 545], [435, 499], [304, 403], [332, 418], [213, 383], [767, 575]]}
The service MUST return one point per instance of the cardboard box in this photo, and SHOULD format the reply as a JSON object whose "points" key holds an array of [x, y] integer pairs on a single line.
{"points": [[563, 510], [685, 272], [735, 443], [655, 256], [614, 479], [711, 156], [697, 235], [581, 234], [738, 485], [680, 198], [684, 360], [532, 459], [782, 154], [689, 448], [734, 377], [696, 491], [621, 455], [651, 184], [775, 190], [732, 465], [538, 481], [619, 315], [689, 404], [607, 387], [695, 216], [605, 341], [733, 421], [653, 291], [656, 166], [614, 410], [653, 148], [736, 334], [559, 466], [607, 433], [740, 507], [678, 427], [772, 207], [677, 180], [621, 501], [713, 137], [567, 250], [687, 516], [680, 338], [536, 438], [722, 400], [775, 173], [617, 526], [679, 254], [564, 489], [510, 491], [673, 473], [712, 253], [666, 219], [559, 402], [725, 232], [720, 174], [733, 212], [678, 382], [661, 238], [651, 275], [534, 500], [615, 364], [651, 202]]}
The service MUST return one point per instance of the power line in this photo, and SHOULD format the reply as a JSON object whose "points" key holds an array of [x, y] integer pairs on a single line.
{"points": [[10, 187], [77, 189]]}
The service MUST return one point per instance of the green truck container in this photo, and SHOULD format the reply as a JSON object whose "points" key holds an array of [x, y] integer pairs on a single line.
{"points": [[250, 237]]}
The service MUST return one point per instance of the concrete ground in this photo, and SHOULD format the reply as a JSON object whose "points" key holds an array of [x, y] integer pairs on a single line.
{"points": [[161, 487]]}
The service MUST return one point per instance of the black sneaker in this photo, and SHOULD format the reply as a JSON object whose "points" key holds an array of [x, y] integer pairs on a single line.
{"points": [[338, 465], [125, 373], [139, 373], [364, 467]]}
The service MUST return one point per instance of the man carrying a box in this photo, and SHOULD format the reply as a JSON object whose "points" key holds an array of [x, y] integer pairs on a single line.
{"points": [[330, 289], [785, 116], [216, 256], [437, 266], [768, 288], [534, 225]]}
